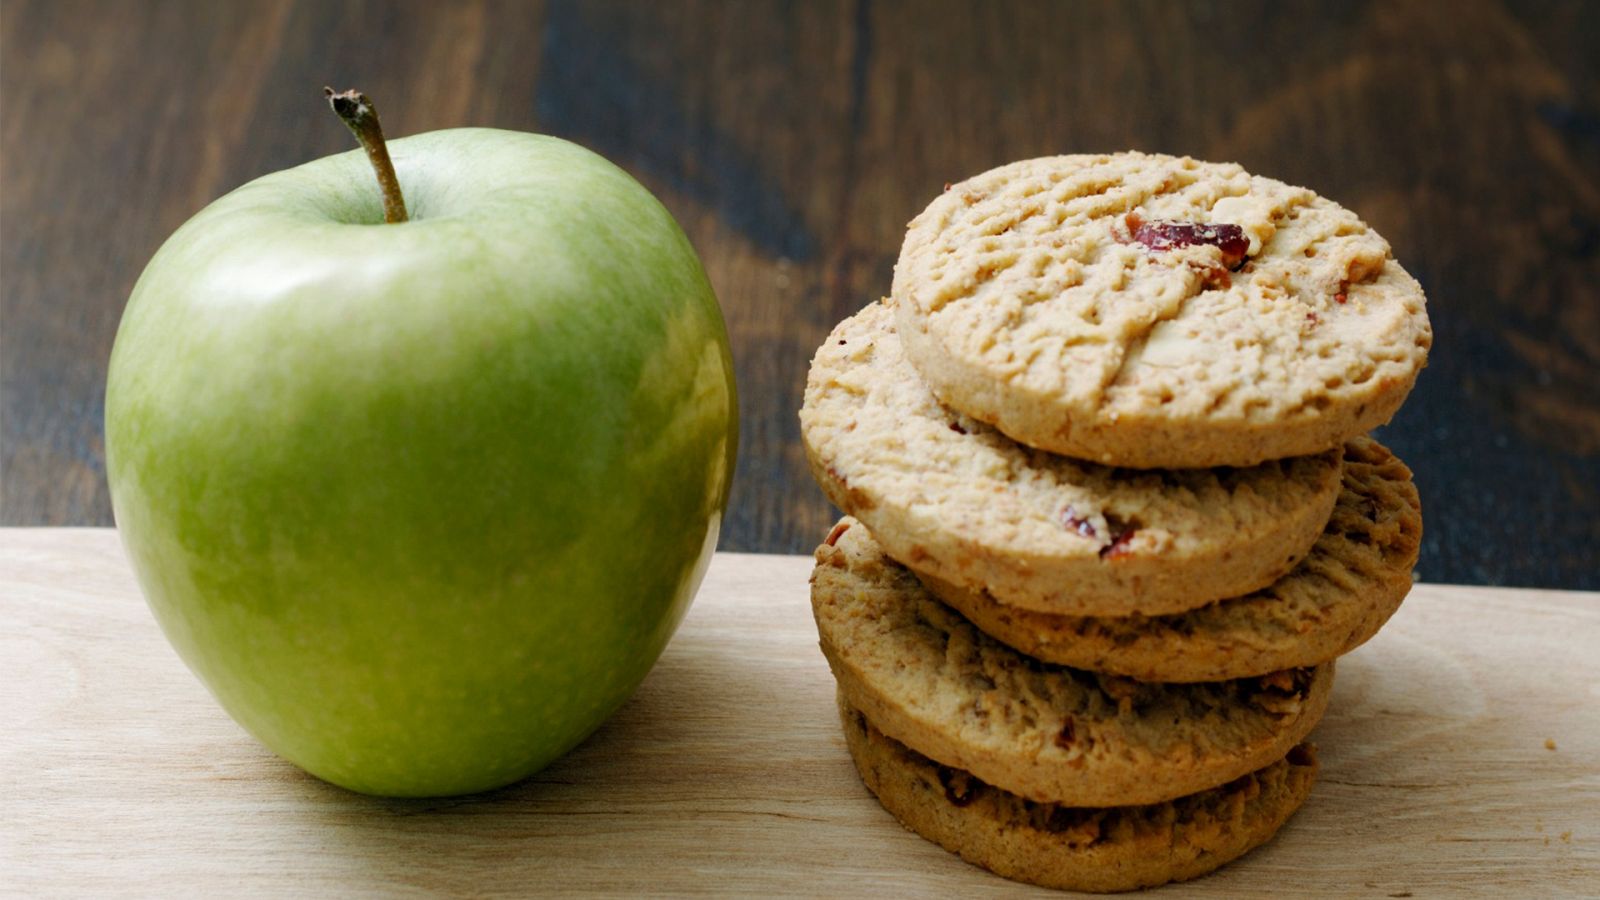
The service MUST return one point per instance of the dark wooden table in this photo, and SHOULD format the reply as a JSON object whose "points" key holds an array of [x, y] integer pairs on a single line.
{"points": [[793, 141]]}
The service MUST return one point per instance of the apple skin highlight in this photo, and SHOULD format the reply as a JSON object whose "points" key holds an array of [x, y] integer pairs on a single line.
{"points": [[422, 503]]}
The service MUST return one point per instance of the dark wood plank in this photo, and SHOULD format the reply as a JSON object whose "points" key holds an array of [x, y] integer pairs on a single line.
{"points": [[793, 141]]}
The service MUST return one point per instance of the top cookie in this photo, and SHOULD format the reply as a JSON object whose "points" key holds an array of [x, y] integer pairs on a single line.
{"points": [[1156, 312]]}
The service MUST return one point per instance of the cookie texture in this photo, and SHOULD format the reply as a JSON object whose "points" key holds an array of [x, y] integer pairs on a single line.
{"points": [[1072, 848], [955, 498], [1152, 311], [928, 678], [1346, 588]]}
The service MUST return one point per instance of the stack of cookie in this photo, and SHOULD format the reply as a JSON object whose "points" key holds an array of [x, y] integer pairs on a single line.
{"points": [[1111, 510]]}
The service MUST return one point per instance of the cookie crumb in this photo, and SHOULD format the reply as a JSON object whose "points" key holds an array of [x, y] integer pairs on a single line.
{"points": [[1549, 743]]}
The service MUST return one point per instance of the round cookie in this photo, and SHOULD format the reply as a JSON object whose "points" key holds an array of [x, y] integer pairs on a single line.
{"points": [[1151, 311], [931, 680], [1350, 583], [1071, 848], [955, 498]]}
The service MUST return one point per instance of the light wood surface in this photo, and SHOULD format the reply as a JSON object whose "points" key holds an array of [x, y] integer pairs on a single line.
{"points": [[727, 773]]}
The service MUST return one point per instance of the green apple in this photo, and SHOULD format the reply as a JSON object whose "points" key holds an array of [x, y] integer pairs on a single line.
{"points": [[422, 503]]}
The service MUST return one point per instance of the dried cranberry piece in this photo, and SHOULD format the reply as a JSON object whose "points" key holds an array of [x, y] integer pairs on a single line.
{"points": [[1119, 545], [1160, 237], [1074, 522]]}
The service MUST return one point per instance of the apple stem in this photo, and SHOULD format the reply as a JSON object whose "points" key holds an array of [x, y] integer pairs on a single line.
{"points": [[358, 112]]}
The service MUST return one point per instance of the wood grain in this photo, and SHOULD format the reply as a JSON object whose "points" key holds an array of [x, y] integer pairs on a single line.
{"points": [[795, 140], [726, 774]]}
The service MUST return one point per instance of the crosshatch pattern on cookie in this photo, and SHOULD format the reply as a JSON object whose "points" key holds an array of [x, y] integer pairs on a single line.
{"points": [[1042, 297]]}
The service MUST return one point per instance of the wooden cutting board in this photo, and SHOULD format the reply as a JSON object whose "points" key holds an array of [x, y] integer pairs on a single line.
{"points": [[1461, 756]]}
